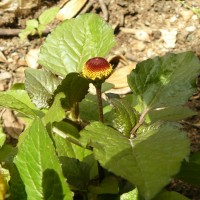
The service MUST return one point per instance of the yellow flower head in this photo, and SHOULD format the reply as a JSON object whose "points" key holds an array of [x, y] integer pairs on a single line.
{"points": [[97, 69]]}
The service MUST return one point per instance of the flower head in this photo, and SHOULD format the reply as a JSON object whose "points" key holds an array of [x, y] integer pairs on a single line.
{"points": [[97, 69]]}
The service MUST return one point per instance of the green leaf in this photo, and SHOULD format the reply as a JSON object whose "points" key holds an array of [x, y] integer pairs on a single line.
{"points": [[74, 41], [145, 161], [51, 179], [36, 155], [18, 100], [17, 187], [190, 171], [164, 81], [125, 116], [170, 196], [109, 185], [48, 15], [2, 137], [195, 158], [89, 109], [40, 85], [76, 172], [40, 29], [24, 33], [56, 112], [75, 87], [32, 23], [173, 113], [67, 128], [132, 195], [106, 86], [7, 153], [68, 149]]}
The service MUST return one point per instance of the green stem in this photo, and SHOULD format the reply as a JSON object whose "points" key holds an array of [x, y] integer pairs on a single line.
{"points": [[65, 136], [75, 112], [100, 109], [99, 99]]}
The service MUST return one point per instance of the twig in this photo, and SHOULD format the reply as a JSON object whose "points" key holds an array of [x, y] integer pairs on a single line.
{"points": [[14, 32], [87, 7], [104, 9], [140, 122]]}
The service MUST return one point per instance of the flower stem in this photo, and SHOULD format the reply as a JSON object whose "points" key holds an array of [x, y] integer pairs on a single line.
{"points": [[99, 99], [100, 109], [75, 112]]}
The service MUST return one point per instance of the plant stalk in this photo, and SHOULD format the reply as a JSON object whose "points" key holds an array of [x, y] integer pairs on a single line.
{"points": [[75, 112], [99, 100], [100, 109]]}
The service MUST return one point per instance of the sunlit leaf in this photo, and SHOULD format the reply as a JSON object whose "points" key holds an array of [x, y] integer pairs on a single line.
{"points": [[18, 100], [164, 82], [74, 41], [145, 161], [35, 158], [40, 85]]}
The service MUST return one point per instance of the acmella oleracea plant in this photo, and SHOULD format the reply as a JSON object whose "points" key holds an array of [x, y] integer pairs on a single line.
{"points": [[97, 70], [136, 153]]}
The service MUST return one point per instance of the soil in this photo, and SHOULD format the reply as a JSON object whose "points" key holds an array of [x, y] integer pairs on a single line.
{"points": [[143, 29]]}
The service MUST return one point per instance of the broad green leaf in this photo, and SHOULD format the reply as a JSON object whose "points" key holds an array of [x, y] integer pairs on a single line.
{"points": [[106, 197], [132, 195], [17, 187], [2, 137], [48, 15], [74, 41], [76, 172], [68, 149], [195, 158], [109, 185], [125, 116], [36, 155], [190, 171], [164, 81], [18, 100], [145, 161], [89, 109], [40, 85], [75, 87], [106, 86], [24, 33], [32, 23], [67, 129], [173, 113], [79, 171], [7, 153], [170, 196], [51, 179], [56, 112]]}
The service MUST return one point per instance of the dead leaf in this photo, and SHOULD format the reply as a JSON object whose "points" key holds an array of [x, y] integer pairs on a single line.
{"points": [[9, 5], [32, 58], [120, 91], [70, 9], [24, 4], [12, 125], [119, 76], [5, 75], [2, 58]]}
